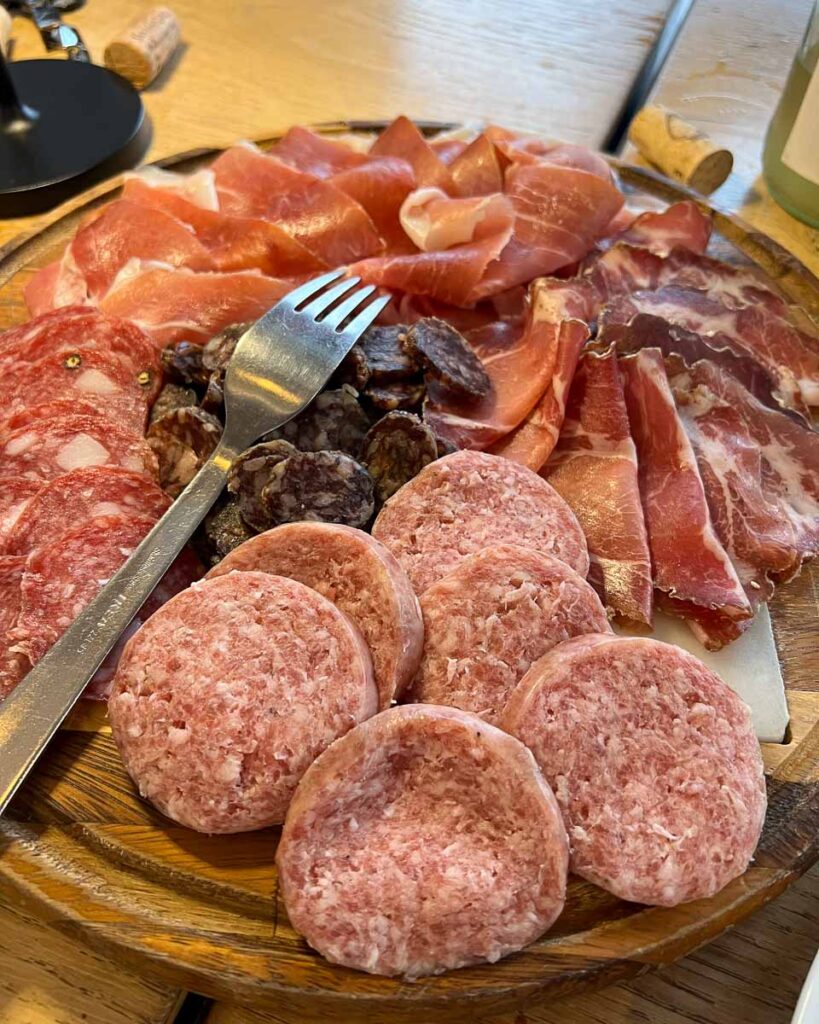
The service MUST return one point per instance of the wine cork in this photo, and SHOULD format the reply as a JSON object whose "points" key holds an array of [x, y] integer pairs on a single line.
{"points": [[142, 50], [5, 30], [680, 150]]}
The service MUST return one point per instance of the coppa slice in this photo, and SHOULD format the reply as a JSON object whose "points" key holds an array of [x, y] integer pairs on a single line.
{"points": [[422, 841], [229, 691], [43, 450], [693, 576], [79, 495], [468, 501], [491, 618], [594, 467], [359, 576], [653, 761]]}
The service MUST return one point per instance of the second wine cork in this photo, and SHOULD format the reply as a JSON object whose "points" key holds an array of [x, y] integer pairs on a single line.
{"points": [[679, 149], [142, 50]]}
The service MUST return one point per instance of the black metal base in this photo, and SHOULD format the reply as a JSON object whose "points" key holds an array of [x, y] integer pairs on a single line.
{"points": [[84, 124]]}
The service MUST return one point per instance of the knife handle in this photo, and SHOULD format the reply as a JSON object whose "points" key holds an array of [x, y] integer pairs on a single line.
{"points": [[33, 711]]}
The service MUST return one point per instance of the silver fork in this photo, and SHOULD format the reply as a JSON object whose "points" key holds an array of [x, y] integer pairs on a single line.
{"points": [[280, 364]]}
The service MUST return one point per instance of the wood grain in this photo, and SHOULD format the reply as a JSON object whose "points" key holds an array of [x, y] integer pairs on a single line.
{"points": [[204, 912], [725, 76]]}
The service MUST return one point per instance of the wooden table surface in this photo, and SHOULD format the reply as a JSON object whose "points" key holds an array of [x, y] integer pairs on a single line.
{"points": [[250, 67]]}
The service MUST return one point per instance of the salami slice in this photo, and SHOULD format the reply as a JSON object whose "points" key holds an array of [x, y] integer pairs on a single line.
{"points": [[491, 618], [422, 841], [13, 666], [468, 501], [97, 378], [360, 577], [227, 693], [82, 494], [395, 450], [46, 412], [43, 450], [15, 494], [654, 763]]}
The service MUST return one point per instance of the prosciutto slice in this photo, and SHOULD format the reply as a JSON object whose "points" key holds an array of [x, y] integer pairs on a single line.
{"points": [[761, 475], [233, 243], [334, 227], [682, 225], [477, 170], [169, 303], [402, 139], [785, 352], [519, 359], [380, 186], [316, 154], [594, 468], [434, 221], [693, 576]]}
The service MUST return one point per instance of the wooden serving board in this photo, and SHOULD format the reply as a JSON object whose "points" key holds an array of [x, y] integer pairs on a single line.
{"points": [[80, 849]]}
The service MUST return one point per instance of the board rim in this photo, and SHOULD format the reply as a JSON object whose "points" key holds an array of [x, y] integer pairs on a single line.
{"points": [[455, 993]]}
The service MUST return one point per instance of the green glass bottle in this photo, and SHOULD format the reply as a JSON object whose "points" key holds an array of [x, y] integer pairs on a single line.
{"points": [[791, 156]]}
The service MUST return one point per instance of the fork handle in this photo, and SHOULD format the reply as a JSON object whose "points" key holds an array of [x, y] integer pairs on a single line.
{"points": [[33, 711]]}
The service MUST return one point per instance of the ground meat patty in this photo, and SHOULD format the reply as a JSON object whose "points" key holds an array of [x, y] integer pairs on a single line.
{"points": [[358, 575], [334, 421], [395, 450], [45, 449], [250, 474], [82, 494], [447, 357], [654, 763], [227, 693], [491, 618], [468, 501], [422, 841], [325, 487]]}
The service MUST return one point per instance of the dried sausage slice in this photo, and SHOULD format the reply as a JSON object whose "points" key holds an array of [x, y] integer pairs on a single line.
{"points": [[448, 357], [250, 474], [334, 421], [653, 761], [227, 693], [423, 840], [395, 450], [44, 449], [468, 501], [82, 494], [183, 440], [328, 487], [491, 618], [360, 577]]}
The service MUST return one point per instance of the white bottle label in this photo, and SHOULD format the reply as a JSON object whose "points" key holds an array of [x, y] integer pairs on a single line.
{"points": [[801, 152]]}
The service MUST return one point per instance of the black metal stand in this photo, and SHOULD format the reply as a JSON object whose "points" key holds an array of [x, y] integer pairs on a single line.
{"points": [[64, 125]]}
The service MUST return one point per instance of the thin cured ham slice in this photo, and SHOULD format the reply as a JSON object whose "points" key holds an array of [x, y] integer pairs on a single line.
{"points": [[447, 146], [316, 154], [63, 330], [693, 575], [233, 243], [785, 352], [434, 221], [169, 303], [560, 213], [621, 325], [594, 469], [125, 230], [520, 361], [56, 285], [380, 186], [681, 224], [325, 220], [198, 188], [533, 149], [402, 139], [477, 169], [761, 475]]}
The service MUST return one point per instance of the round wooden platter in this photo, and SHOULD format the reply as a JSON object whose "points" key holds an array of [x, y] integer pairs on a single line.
{"points": [[82, 850]]}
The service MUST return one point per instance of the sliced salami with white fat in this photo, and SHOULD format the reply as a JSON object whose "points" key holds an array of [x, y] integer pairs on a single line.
{"points": [[356, 573], [228, 692], [15, 494], [654, 763], [422, 841], [43, 449], [468, 501], [13, 666], [491, 618]]}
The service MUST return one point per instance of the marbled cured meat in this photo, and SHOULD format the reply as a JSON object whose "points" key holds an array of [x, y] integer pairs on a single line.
{"points": [[653, 761], [681, 224], [190, 703], [594, 468], [422, 841], [356, 573], [693, 575], [15, 494], [468, 501], [491, 618]]}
